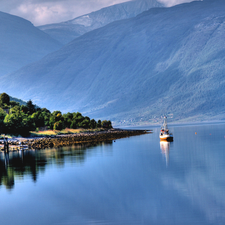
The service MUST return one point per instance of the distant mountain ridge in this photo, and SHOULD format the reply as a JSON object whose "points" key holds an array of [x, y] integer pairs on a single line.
{"points": [[164, 61], [21, 43], [67, 31]]}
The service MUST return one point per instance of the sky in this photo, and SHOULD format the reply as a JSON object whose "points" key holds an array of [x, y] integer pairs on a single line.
{"points": [[41, 12]]}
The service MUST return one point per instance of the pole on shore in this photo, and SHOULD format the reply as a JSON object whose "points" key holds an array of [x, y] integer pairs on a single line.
{"points": [[6, 145]]}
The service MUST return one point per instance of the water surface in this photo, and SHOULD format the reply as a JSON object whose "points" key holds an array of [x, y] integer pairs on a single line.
{"points": [[136, 180]]}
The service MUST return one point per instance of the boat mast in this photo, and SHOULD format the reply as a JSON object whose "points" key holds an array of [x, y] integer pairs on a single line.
{"points": [[165, 123]]}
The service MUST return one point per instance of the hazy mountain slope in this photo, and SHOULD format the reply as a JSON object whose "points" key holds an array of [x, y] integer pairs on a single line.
{"points": [[67, 31], [21, 43], [166, 60]]}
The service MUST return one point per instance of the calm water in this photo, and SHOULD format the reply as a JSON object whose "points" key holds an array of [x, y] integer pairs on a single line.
{"points": [[135, 180]]}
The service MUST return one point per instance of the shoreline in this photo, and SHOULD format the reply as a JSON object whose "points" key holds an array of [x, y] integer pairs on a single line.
{"points": [[71, 139]]}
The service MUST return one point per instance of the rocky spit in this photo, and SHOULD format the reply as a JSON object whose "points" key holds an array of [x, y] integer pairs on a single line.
{"points": [[72, 139]]}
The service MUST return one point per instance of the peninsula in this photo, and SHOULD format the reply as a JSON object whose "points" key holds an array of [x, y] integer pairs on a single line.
{"points": [[31, 127]]}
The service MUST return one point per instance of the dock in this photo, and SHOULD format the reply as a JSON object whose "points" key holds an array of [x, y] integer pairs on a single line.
{"points": [[6, 146]]}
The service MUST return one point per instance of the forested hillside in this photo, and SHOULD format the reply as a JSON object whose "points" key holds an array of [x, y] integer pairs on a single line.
{"points": [[20, 119]]}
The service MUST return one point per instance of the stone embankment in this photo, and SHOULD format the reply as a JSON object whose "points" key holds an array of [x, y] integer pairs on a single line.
{"points": [[72, 139]]}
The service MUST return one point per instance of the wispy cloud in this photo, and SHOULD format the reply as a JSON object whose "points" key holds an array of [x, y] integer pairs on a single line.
{"points": [[41, 12], [53, 11], [173, 2]]}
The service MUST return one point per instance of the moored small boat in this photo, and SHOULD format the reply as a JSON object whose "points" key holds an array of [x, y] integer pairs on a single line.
{"points": [[164, 132]]}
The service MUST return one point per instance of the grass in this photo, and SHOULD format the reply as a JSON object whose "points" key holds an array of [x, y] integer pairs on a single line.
{"points": [[2, 136], [65, 131]]}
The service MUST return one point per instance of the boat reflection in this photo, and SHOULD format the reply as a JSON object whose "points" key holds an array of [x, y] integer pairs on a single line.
{"points": [[165, 148]]}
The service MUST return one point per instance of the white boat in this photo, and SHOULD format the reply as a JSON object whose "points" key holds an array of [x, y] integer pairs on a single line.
{"points": [[164, 132]]}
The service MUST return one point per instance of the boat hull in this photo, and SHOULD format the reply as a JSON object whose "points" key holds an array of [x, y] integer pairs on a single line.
{"points": [[166, 138]]}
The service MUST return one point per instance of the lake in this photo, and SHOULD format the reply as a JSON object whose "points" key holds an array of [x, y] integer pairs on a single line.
{"points": [[135, 180]]}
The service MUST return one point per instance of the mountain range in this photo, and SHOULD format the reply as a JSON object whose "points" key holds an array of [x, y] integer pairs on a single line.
{"points": [[21, 43], [163, 61], [67, 31]]}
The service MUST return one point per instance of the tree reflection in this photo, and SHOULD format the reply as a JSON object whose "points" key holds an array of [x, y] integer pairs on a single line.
{"points": [[18, 164], [32, 162]]}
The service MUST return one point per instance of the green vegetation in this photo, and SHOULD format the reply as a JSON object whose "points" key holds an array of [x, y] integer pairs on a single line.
{"points": [[20, 119]]}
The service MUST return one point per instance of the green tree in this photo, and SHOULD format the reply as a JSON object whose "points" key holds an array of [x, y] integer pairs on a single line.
{"points": [[27, 125], [77, 120], [93, 124], [106, 124], [46, 113], [4, 99], [44, 110], [99, 124], [38, 118], [56, 116], [13, 122], [24, 108], [18, 122], [68, 118], [85, 123], [13, 103], [31, 107], [73, 124], [58, 125], [2, 117]]}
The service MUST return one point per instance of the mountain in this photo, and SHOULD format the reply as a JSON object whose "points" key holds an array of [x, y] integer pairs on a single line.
{"points": [[21, 43], [20, 101], [69, 30], [165, 60]]}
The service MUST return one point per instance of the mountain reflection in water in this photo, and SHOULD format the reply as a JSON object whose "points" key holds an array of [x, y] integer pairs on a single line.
{"points": [[32, 162], [124, 182]]}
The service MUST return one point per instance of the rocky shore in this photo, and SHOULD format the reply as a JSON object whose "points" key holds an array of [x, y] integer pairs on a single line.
{"points": [[72, 139]]}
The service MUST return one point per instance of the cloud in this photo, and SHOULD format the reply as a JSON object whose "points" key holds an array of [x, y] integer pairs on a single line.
{"points": [[173, 2], [41, 12]]}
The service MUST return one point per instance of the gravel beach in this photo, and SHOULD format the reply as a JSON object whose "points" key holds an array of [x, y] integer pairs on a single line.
{"points": [[72, 139]]}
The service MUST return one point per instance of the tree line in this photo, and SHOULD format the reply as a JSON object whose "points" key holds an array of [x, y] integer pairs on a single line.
{"points": [[16, 118]]}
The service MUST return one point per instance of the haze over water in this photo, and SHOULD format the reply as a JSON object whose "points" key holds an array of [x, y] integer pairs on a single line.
{"points": [[135, 180]]}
